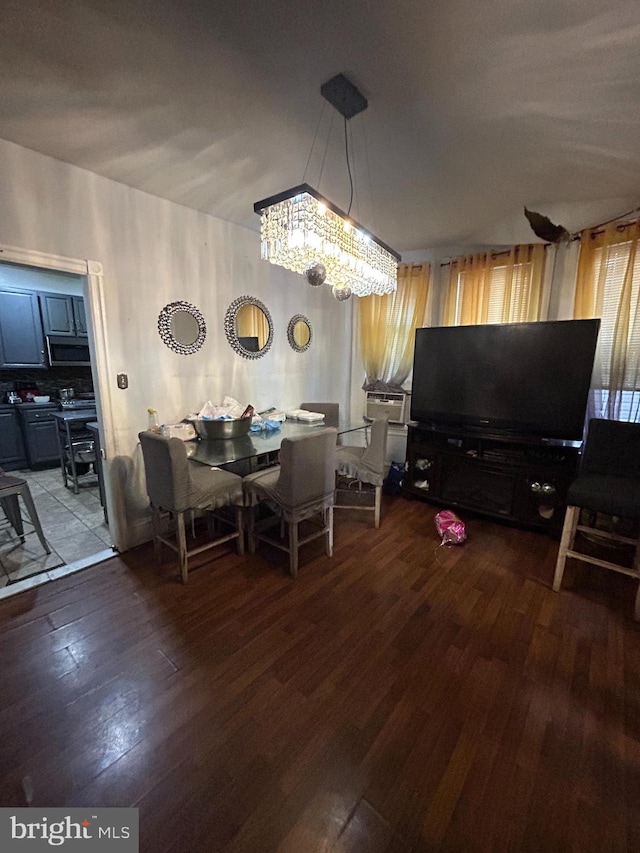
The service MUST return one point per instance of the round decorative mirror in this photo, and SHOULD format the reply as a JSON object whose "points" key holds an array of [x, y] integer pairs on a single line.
{"points": [[248, 327], [181, 326], [299, 333]]}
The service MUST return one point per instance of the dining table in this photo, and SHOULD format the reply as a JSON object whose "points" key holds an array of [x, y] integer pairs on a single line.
{"points": [[258, 449]]}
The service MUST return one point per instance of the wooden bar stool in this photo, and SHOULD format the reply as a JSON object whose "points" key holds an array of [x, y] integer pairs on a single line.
{"points": [[608, 483], [11, 488]]}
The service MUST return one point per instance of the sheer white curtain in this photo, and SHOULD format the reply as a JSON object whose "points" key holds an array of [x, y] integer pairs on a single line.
{"points": [[387, 327], [608, 287], [496, 287]]}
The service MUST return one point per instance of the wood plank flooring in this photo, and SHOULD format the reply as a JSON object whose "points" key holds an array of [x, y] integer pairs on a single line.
{"points": [[398, 697]]}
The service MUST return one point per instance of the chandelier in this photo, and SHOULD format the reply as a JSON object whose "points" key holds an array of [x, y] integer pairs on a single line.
{"points": [[302, 231]]}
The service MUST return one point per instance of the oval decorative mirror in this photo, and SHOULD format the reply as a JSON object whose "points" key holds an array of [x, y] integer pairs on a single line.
{"points": [[248, 327], [181, 326], [299, 333]]}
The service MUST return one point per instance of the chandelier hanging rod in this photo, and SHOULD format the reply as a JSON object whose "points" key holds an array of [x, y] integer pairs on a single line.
{"points": [[260, 206]]}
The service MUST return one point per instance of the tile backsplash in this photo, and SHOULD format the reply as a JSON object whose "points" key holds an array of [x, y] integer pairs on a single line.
{"points": [[46, 381]]}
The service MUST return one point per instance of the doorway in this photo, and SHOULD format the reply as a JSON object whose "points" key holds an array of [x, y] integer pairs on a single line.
{"points": [[74, 519]]}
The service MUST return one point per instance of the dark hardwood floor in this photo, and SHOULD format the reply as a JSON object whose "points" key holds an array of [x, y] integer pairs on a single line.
{"points": [[398, 697]]}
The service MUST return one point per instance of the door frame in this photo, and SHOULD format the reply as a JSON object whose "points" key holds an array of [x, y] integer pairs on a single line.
{"points": [[101, 365]]}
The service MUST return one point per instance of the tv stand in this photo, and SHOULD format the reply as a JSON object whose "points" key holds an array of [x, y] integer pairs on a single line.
{"points": [[520, 479]]}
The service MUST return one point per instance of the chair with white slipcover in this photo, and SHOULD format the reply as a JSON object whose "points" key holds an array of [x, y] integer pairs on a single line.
{"points": [[176, 485]]}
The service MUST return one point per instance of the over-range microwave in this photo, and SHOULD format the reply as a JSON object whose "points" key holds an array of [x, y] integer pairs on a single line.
{"points": [[68, 351]]}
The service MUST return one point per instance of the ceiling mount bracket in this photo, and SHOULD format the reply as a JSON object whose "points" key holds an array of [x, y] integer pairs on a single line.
{"points": [[344, 96]]}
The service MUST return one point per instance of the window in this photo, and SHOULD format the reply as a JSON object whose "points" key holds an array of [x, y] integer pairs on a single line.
{"points": [[608, 286], [496, 287]]}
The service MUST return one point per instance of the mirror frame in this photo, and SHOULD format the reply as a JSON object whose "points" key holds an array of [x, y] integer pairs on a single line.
{"points": [[230, 326], [297, 318], [164, 327]]}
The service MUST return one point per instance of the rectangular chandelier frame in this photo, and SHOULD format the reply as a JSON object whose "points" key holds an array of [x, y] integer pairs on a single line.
{"points": [[300, 227]]}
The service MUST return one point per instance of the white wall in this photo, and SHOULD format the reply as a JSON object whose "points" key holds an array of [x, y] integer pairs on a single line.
{"points": [[154, 252]]}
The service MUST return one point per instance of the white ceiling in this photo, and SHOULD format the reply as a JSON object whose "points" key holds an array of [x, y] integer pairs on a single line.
{"points": [[476, 107]]}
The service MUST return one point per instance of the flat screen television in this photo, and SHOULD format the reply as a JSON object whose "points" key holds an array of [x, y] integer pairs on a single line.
{"points": [[530, 379], [250, 343]]}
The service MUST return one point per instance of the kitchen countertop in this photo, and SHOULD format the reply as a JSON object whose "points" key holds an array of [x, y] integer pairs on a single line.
{"points": [[51, 404], [76, 415]]}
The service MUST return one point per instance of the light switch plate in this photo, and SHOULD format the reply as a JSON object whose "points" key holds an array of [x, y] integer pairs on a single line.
{"points": [[123, 381]]}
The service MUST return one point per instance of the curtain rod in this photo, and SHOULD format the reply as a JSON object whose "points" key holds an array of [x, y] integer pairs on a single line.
{"points": [[495, 254], [594, 230]]}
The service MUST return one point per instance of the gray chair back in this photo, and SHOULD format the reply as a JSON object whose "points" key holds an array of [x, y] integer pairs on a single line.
{"points": [[373, 457], [166, 468], [307, 468], [331, 412], [612, 448]]}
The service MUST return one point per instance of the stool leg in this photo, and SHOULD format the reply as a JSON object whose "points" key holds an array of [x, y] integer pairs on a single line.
{"points": [[157, 532], [11, 508], [328, 520], [566, 543], [240, 528], [293, 548], [251, 529], [182, 547], [378, 504], [33, 515]]}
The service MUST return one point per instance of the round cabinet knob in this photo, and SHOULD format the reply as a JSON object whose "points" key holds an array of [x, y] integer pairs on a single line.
{"points": [[535, 487], [548, 489]]}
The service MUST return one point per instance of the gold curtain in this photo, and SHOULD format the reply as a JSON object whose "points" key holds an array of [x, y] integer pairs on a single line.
{"points": [[608, 287], [496, 287], [387, 327], [251, 322]]}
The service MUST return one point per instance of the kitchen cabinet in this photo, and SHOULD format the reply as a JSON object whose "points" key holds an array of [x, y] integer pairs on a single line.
{"points": [[21, 336], [12, 450], [40, 433], [80, 316], [63, 315]]}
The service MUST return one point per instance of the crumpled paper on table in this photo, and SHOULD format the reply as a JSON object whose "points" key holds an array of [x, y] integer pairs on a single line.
{"points": [[229, 409]]}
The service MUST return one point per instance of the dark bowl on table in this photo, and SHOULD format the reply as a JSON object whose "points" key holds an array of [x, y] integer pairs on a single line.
{"points": [[221, 429]]}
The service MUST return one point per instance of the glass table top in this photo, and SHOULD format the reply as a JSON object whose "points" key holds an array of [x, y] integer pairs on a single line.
{"points": [[224, 451]]}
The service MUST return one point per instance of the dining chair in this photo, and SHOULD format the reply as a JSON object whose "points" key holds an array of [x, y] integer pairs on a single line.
{"points": [[360, 472], [331, 412], [176, 485], [12, 488], [299, 489], [608, 484]]}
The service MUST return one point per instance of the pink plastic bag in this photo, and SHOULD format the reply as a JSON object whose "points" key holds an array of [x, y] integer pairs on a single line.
{"points": [[450, 529]]}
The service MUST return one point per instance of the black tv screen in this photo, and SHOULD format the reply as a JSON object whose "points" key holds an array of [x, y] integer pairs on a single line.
{"points": [[525, 378], [250, 343]]}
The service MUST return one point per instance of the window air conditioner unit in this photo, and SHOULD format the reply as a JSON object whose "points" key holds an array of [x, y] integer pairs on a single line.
{"points": [[384, 403]]}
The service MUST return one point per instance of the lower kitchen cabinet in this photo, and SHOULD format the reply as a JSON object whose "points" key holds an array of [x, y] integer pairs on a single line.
{"points": [[40, 434], [12, 449]]}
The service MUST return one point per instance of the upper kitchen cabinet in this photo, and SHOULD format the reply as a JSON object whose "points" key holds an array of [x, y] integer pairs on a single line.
{"points": [[79, 316], [21, 337], [63, 314]]}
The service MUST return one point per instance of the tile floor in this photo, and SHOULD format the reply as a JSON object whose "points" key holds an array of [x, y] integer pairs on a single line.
{"points": [[74, 526]]}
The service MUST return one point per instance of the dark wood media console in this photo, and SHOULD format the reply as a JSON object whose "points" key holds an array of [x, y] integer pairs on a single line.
{"points": [[518, 479]]}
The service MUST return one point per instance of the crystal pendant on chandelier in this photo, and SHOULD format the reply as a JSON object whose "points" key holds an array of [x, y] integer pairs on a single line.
{"points": [[341, 293], [316, 274]]}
